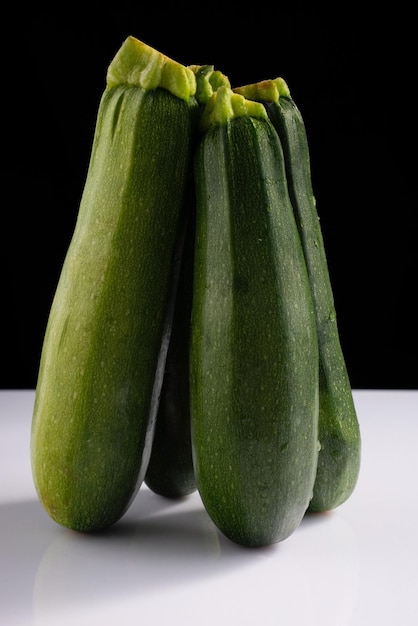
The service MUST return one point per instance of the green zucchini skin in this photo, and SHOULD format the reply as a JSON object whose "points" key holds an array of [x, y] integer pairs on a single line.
{"points": [[107, 334], [254, 350], [339, 431], [170, 471]]}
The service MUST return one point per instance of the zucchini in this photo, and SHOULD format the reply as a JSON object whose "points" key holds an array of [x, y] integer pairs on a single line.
{"points": [[106, 339], [254, 347], [170, 471], [339, 431]]}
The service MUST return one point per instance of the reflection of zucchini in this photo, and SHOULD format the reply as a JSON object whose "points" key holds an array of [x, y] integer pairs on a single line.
{"points": [[96, 394], [254, 348], [339, 433]]}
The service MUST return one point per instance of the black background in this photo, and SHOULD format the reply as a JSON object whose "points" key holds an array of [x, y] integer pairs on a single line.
{"points": [[352, 73]]}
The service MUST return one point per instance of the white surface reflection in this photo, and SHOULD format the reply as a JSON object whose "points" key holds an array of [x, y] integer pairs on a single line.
{"points": [[165, 561]]}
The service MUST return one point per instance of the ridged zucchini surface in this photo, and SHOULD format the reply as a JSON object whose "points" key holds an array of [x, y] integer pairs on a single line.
{"points": [[107, 334], [254, 347]]}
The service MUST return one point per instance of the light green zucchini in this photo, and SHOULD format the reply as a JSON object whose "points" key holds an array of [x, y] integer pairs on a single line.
{"points": [[107, 334], [254, 347], [339, 430]]}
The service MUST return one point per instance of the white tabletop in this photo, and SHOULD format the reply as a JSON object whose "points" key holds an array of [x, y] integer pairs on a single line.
{"points": [[165, 563]]}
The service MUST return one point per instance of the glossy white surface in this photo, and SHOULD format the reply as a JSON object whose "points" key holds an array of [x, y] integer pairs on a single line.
{"points": [[165, 562]]}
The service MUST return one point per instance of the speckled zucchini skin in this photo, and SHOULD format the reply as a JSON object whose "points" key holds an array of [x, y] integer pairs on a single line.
{"points": [[254, 350], [106, 339]]}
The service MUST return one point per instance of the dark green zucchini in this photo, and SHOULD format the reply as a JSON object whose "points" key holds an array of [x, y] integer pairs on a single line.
{"points": [[107, 335], [254, 347], [339, 431], [170, 471]]}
